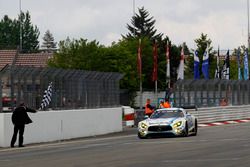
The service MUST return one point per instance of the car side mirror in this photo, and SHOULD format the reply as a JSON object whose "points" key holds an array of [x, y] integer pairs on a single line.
{"points": [[146, 117]]}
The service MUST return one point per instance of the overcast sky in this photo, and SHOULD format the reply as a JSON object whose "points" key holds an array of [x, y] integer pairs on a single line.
{"points": [[225, 21]]}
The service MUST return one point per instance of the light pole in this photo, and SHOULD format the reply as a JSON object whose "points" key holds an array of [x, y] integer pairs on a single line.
{"points": [[20, 22], [248, 40]]}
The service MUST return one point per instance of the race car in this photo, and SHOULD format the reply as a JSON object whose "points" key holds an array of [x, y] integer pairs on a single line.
{"points": [[173, 121]]}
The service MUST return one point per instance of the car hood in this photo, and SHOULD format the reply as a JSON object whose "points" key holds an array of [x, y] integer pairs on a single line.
{"points": [[162, 121]]}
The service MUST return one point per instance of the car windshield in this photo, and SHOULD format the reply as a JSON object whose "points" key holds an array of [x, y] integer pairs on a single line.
{"points": [[167, 114]]}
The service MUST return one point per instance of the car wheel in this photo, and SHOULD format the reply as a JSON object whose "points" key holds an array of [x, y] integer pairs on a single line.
{"points": [[185, 133], [141, 137], [195, 128]]}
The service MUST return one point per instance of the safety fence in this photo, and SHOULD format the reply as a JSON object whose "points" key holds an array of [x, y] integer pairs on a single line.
{"points": [[71, 89], [211, 93]]}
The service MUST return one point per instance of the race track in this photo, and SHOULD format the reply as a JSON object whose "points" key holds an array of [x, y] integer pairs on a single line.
{"points": [[222, 146]]}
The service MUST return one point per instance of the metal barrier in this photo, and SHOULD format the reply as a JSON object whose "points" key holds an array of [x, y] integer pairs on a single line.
{"points": [[71, 89], [216, 114], [210, 114], [211, 93]]}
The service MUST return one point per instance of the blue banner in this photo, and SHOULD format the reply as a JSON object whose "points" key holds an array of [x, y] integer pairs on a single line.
{"points": [[205, 64], [246, 70]]}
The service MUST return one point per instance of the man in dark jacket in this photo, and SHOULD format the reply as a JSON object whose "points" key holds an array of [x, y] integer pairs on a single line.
{"points": [[19, 119]]}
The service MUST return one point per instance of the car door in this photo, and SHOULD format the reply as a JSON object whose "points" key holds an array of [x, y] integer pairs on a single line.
{"points": [[189, 120]]}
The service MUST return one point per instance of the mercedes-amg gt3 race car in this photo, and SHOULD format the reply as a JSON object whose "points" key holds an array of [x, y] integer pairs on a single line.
{"points": [[173, 121]]}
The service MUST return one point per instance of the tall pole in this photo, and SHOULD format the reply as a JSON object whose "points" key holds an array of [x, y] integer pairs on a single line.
{"points": [[167, 67], [134, 15], [20, 22], [248, 40], [139, 44], [155, 71]]}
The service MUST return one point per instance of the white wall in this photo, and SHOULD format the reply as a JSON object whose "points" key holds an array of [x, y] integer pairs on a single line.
{"points": [[67, 124]]}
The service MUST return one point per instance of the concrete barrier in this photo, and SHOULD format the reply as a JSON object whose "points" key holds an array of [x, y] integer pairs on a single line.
{"points": [[61, 125], [129, 115]]}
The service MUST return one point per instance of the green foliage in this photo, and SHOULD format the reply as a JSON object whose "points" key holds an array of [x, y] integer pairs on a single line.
{"points": [[9, 27], [10, 33], [234, 70], [76, 54], [234, 64]]}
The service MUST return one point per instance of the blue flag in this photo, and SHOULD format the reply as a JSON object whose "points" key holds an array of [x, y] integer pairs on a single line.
{"points": [[196, 65], [205, 65], [238, 62], [246, 70]]}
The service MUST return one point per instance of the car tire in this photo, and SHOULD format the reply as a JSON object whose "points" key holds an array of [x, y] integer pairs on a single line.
{"points": [[185, 133], [141, 137], [195, 128]]}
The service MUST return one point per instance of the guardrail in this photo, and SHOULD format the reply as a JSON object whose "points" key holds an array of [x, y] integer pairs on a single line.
{"points": [[225, 113], [211, 114]]}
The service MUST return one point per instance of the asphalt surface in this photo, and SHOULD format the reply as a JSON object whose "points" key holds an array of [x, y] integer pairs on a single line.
{"points": [[222, 146]]}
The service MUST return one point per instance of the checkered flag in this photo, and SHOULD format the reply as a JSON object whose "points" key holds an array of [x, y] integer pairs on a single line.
{"points": [[46, 97]]}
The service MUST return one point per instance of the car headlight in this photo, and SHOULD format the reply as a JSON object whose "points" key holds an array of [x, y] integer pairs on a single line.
{"points": [[178, 124], [143, 125]]}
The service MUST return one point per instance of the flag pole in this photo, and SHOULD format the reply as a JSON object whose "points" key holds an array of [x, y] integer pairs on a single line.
{"points": [[167, 67], [156, 92], [140, 93], [140, 101], [155, 71], [140, 71]]}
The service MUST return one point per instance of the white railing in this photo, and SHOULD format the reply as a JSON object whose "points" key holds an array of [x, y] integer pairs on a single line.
{"points": [[225, 113]]}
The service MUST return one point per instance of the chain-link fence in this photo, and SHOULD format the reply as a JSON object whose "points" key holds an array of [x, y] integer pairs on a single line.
{"points": [[213, 92], [71, 89]]}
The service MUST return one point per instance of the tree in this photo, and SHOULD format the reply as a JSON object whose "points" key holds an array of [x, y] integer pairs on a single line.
{"points": [[142, 26], [85, 55], [9, 27], [30, 34], [10, 33], [234, 63], [48, 42], [77, 54]]}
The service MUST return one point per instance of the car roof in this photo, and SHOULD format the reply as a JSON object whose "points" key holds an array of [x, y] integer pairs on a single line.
{"points": [[170, 109]]}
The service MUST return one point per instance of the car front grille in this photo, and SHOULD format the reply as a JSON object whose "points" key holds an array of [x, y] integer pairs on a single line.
{"points": [[160, 128]]}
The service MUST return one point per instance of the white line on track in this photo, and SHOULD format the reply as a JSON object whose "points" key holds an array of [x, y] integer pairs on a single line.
{"points": [[201, 160], [66, 142]]}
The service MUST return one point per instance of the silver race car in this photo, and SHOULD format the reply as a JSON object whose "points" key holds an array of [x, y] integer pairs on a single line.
{"points": [[175, 121]]}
